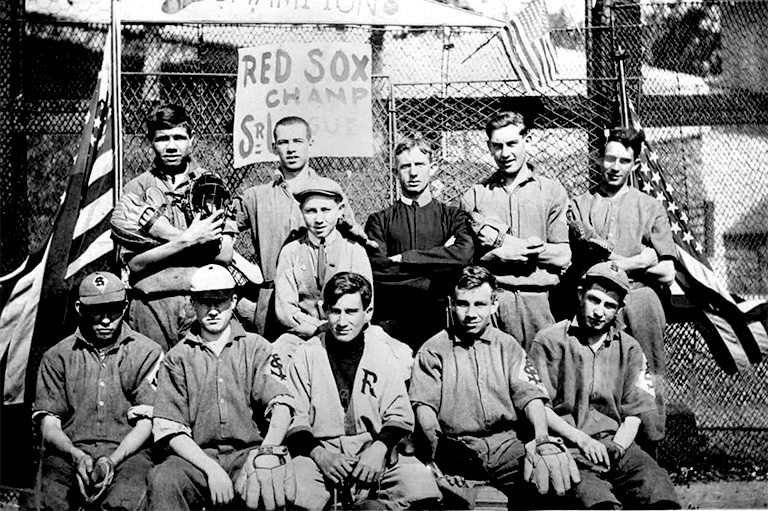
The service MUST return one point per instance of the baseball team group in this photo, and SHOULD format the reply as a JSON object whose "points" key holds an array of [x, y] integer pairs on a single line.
{"points": [[514, 340]]}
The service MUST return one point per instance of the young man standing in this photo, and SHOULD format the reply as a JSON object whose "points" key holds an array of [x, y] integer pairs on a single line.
{"points": [[160, 270], [598, 379], [95, 392], [216, 390], [478, 400], [352, 408], [423, 245], [519, 218], [636, 228], [270, 213]]}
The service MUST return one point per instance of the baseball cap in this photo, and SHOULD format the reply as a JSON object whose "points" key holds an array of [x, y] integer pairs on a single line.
{"points": [[318, 186], [101, 287], [609, 271], [210, 279]]}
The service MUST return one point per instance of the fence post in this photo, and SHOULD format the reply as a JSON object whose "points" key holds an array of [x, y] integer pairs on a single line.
{"points": [[600, 83]]}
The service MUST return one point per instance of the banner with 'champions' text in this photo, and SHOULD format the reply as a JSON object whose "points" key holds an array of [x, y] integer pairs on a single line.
{"points": [[328, 84]]}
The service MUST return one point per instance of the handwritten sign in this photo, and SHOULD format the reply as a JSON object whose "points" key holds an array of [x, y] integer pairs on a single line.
{"points": [[328, 84]]}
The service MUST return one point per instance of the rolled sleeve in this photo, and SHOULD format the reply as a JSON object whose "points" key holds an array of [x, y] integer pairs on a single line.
{"points": [[299, 386], [427, 380], [165, 428], [171, 401], [398, 412], [149, 367], [478, 219], [50, 394], [639, 394]]}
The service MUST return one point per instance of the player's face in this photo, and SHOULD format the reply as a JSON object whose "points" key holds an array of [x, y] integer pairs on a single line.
{"points": [[473, 308], [347, 317], [414, 170], [172, 146], [292, 145], [214, 311], [321, 214], [509, 148], [598, 309], [617, 164], [101, 323]]}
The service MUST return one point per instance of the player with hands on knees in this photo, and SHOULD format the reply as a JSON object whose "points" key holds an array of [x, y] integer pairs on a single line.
{"points": [[598, 378], [217, 389], [94, 398], [476, 397]]}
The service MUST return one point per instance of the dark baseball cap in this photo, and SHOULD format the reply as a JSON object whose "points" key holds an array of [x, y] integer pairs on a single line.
{"points": [[319, 186], [609, 271], [101, 287]]}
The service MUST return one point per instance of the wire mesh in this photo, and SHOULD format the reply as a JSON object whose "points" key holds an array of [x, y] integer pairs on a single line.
{"points": [[696, 70]]}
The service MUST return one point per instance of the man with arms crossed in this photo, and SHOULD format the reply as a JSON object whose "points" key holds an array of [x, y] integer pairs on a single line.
{"points": [[636, 229], [519, 218], [423, 245], [598, 378]]}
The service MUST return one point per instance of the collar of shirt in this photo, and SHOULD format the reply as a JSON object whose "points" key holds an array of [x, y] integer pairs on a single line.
{"points": [[189, 173], [422, 201], [487, 337], [598, 190], [279, 178], [311, 239], [193, 336], [125, 335], [575, 329], [527, 174]]}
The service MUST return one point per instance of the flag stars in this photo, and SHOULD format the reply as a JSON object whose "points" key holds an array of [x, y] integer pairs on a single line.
{"points": [[675, 228], [644, 168], [656, 177], [688, 237], [653, 156], [647, 187], [660, 197], [670, 188], [698, 247], [672, 208], [684, 217]]}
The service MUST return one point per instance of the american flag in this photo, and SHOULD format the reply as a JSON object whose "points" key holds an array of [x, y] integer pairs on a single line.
{"points": [[734, 330], [529, 48], [34, 298]]}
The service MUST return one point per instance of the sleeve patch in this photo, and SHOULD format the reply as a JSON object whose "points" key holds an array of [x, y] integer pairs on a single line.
{"points": [[529, 374], [276, 367]]}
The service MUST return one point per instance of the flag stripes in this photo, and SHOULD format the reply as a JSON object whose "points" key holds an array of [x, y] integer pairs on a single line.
{"points": [[37, 303], [529, 47], [734, 332]]}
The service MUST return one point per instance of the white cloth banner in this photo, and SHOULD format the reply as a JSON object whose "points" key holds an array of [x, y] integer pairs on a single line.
{"points": [[328, 84]]}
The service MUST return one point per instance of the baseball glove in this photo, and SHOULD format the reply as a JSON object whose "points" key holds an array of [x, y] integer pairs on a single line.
{"points": [[547, 460], [134, 216], [590, 244], [263, 479]]}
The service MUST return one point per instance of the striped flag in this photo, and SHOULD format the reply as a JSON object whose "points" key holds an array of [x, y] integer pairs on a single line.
{"points": [[35, 296], [529, 48], [734, 330]]}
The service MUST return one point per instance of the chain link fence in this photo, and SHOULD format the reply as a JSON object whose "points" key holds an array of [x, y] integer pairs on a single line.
{"points": [[696, 71]]}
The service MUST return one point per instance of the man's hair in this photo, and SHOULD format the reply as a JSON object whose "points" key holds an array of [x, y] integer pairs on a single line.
{"points": [[504, 119], [347, 283], [413, 141], [292, 120], [166, 117], [628, 137], [473, 277]]}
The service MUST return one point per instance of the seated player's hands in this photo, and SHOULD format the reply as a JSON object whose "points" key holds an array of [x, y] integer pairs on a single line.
{"points": [[204, 230], [615, 451], [594, 450], [101, 477], [548, 464], [219, 484], [83, 466], [370, 463], [335, 467]]}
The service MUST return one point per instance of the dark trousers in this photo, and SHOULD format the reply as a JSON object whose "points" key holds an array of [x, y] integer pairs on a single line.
{"points": [[636, 483], [177, 484], [60, 489]]}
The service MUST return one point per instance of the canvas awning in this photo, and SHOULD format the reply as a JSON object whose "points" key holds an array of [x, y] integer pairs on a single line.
{"points": [[330, 12]]}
